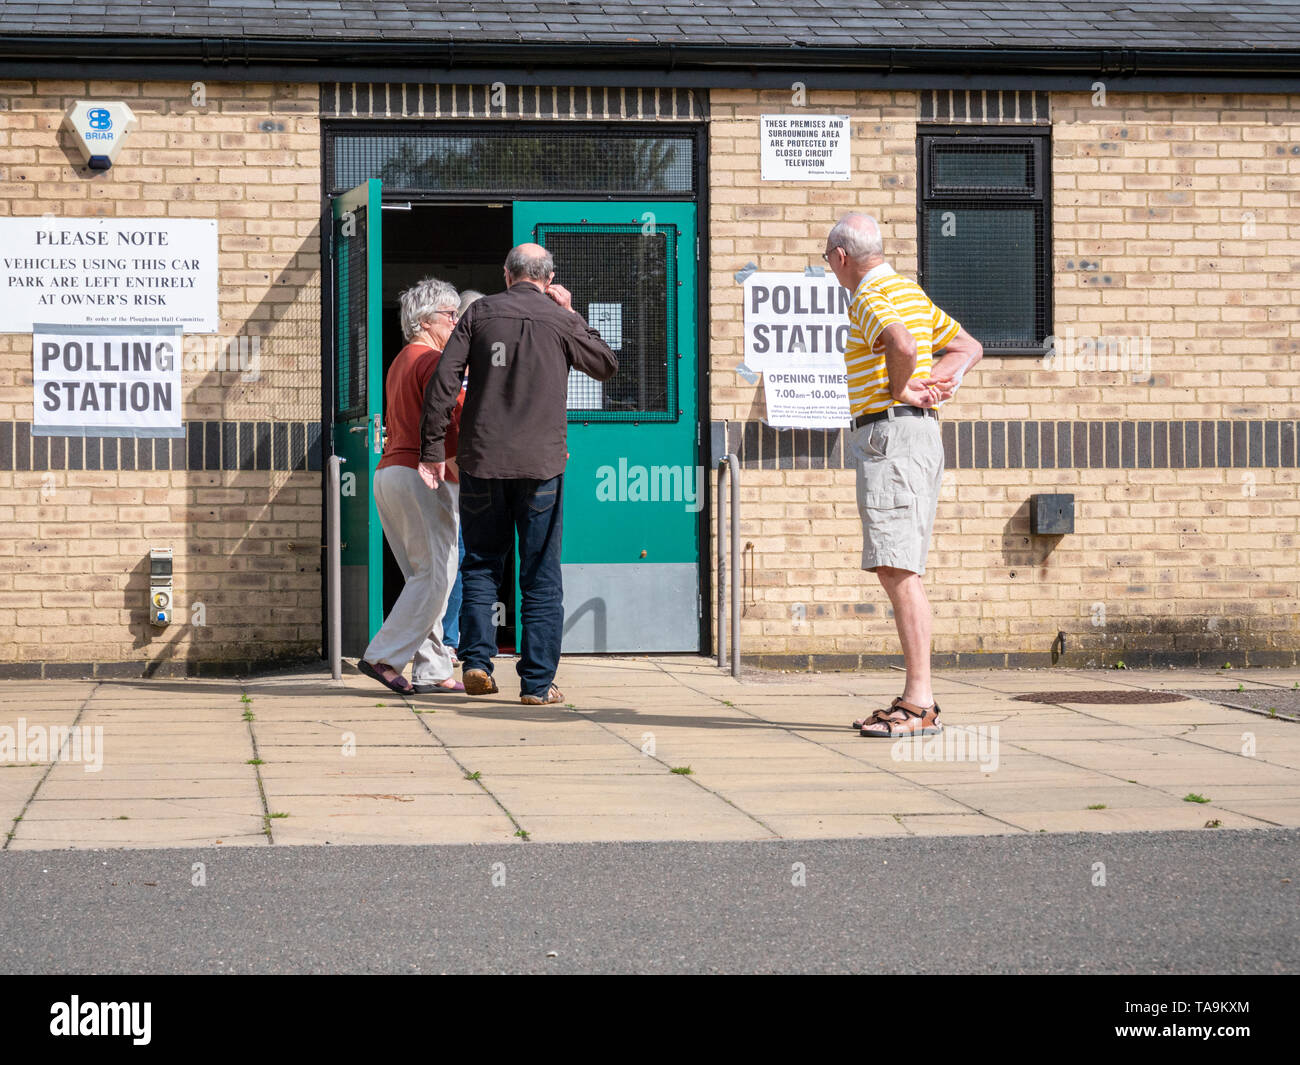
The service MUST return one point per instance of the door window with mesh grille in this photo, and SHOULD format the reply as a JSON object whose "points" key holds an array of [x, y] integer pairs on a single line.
{"points": [[350, 306], [624, 283], [984, 234]]}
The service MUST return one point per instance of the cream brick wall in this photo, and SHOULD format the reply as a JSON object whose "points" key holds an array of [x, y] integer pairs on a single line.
{"points": [[1187, 210], [73, 567]]}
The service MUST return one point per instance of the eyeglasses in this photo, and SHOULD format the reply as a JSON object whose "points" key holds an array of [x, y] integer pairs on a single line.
{"points": [[826, 255], [449, 314]]}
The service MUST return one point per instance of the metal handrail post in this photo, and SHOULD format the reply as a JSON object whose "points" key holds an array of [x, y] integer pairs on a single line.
{"points": [[729, 464], [722, 563], [734, 462], [334, 554]]}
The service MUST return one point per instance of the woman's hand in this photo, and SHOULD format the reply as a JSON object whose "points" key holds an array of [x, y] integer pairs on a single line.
{"points": [[433, 473]]}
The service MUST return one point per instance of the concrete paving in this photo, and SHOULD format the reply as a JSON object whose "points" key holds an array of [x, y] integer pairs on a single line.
{"points": [[298, 759]]}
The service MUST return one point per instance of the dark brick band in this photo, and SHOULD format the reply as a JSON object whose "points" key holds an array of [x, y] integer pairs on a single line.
{"points": [[1035, 445], [205, 446], [1263, 657]]}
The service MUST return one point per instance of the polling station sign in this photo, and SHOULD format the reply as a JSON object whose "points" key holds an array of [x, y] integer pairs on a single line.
{"points": [[790, 318], [108, 272], [89, 382], [804, 148]]}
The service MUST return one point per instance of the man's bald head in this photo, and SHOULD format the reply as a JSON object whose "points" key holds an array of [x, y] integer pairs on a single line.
{"points": [[530, 262], [859, 235]]}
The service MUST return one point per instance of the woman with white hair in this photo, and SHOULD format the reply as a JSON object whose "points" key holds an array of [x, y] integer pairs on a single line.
{"points": [[422, 526]]}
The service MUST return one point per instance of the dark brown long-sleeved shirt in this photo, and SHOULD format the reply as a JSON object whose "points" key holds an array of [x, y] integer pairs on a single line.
{"points": [[518, 346]]}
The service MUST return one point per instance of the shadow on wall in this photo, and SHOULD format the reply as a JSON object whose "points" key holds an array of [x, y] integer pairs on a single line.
{"points": [[265, 599], [1020, 550], [161, 639], [596, 608]]}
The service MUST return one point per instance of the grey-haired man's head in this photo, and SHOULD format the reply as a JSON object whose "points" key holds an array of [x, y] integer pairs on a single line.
{"points": [[529, 262], [853, 242]]}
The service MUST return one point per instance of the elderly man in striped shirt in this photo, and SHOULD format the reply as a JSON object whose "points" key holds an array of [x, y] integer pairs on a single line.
{"points": [[905, 357]]}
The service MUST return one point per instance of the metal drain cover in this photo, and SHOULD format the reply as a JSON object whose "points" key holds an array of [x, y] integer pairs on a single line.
{"points": [[1125, 697]]}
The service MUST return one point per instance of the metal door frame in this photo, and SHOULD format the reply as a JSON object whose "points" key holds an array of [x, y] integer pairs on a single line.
{"points": [[697, 131]]}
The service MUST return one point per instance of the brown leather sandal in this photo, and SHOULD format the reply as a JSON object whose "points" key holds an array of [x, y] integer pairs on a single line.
{"points": [[857, 725], [903, 719], [553, 695]]}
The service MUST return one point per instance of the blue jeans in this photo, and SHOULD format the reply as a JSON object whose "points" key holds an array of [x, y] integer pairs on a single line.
{"points": [[451, 622], [492, 510]]}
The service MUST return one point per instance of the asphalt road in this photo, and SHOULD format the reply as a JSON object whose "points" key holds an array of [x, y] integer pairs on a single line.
{"points": [[1213, 901]]}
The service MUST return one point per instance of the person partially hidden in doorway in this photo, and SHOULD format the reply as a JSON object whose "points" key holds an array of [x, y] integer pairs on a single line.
{"points": [[422, 526], [519, 346], [451, 619], [904, 357]]}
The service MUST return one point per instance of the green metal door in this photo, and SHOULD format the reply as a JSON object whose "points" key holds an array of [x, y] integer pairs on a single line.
{"points": [[359, 404], [633, 488]]}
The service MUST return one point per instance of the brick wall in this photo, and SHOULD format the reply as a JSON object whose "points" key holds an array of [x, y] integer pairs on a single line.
{"points": [[238, 498], [1174, 218]]}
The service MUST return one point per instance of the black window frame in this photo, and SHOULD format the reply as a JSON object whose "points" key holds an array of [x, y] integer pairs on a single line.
{"points": [[1038, 196], [336, 129]]}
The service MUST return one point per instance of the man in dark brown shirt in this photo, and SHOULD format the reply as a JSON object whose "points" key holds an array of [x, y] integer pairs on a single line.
{"points": [[518, 347]]}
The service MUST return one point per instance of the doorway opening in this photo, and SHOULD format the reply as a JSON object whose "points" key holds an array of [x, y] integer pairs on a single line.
{"points": [[464, 245]]}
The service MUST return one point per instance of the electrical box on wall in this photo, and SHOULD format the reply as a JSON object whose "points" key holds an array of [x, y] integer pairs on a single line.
{"points": [[160, 585], [1051, 514]]}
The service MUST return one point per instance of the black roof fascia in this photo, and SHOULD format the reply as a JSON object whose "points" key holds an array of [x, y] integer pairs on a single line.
{"points": [[329, 60]]}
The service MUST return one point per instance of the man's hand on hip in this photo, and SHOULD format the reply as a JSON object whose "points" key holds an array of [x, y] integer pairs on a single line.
{"points": [[433, 473], [918, 393], [943, 386]]}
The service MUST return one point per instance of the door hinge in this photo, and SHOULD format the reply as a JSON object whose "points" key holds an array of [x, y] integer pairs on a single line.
{"points": [[699, 604]]}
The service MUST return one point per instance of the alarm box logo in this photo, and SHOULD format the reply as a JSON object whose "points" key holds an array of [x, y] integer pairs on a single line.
{"points": [[99, 129]]}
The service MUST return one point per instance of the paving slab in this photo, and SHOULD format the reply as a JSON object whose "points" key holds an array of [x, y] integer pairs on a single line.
{"points": [[360, 829], [142, 832]]}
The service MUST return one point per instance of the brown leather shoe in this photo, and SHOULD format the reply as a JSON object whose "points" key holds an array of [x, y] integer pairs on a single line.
{"points": [[479, 682], [552, 696]]}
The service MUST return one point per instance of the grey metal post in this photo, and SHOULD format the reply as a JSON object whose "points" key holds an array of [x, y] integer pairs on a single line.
{"points": [[734, 463], [335, 565], [722, 564], [729, 464]]}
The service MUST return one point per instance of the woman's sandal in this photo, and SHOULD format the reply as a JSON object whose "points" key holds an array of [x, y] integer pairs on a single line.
{"points": [[397, 683], [455, 688], [902, 719]]}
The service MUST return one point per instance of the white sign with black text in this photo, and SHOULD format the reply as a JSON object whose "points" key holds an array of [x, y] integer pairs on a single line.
{"points": [[814, 396], [804, 148], [108, 271], [92, 383], [791, 318]]}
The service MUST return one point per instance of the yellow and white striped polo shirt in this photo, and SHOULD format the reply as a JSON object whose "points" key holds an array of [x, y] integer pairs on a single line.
{"points": [[885, 297]]}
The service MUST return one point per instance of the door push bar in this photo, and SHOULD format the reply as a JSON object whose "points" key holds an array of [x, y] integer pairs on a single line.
{"points": [[730, 463]]}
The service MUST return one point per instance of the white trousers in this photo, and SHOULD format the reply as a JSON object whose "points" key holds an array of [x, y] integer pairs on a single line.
{"points": [[422, 528]]}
